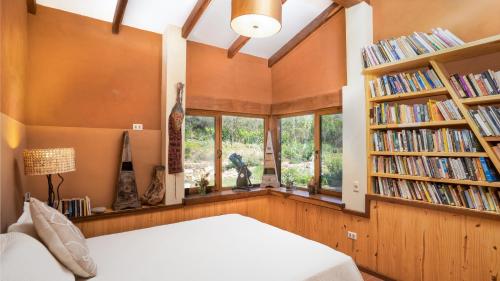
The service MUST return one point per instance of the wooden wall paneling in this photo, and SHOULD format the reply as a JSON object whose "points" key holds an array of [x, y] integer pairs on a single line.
{"points": [[308, 220], [363, 249], [480, 251], [232, 207], [258, 208], [199, 211], [283, 213], [331, 227]]}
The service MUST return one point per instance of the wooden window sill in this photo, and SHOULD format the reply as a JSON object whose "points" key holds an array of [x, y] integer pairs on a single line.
{"points": [[323, 200]]}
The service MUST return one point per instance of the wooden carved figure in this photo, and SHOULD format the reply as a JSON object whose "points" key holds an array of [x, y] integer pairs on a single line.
{"points": [[126, 191], [175, 134], [156, 190]]}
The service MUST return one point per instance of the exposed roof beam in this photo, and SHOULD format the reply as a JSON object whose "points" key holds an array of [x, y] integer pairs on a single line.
{"points": [[119, 13], [329, 12], [237, 45], [350, 3], [31, 4], [240, 42], [193, 18]]}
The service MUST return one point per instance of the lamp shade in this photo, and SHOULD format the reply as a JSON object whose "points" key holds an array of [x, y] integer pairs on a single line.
{"points": [[49, 161], [256, 18]]}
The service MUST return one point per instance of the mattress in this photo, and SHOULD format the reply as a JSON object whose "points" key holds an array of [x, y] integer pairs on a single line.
{"points": [[221, 248]]}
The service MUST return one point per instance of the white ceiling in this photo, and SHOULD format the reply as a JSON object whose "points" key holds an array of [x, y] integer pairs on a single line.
{"points": [[213, 28]]}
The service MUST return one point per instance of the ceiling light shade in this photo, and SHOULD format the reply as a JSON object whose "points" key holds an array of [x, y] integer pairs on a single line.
{"points": [[256, 18]]}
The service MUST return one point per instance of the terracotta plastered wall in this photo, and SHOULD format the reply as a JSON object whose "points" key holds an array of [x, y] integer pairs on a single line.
{"points": [[13, 62], [470, 20], [317, 66]]}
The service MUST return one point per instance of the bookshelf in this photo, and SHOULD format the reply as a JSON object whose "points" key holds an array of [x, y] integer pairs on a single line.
{"points": [[438, 62]]}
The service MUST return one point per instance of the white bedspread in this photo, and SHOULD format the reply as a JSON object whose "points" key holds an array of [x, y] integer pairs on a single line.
{"points": [[222, 248]]}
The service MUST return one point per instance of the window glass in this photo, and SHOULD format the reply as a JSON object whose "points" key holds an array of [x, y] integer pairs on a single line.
{"points": [[242, 136], [331, 152], [297, 149], [199, 149]]}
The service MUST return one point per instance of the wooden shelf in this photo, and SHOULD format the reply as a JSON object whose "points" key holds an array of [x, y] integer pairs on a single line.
{"points": [[431, 154], [481, 100], [494, 138], [476, 48], [450, 181], [420, 124], [407, 96], [427, 205]]}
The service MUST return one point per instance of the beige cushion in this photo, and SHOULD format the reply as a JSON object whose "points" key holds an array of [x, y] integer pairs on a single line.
{"points": [[63, 238], [25, 258], [26, 228]]}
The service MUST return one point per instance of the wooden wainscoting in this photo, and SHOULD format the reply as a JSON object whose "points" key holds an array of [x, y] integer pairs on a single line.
{"points": [[398, 241]]}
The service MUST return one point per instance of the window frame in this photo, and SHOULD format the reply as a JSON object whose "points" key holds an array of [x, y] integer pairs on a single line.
{"points": [[218, 140], [317, 143]]}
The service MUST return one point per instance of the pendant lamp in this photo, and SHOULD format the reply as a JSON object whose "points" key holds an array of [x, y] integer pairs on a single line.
{"points": [[256, 18]]}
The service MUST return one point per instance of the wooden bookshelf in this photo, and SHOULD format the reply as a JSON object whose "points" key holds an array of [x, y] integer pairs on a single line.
{"points": [[437, 61], [481, 100], [420, 124], [407, 96], [430, 154], [494, 138]]}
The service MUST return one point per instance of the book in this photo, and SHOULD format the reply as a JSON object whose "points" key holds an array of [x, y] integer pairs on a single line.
{"points": [[487, 118], [75, 207], [471, 197], [418, 43], [482, 84]]}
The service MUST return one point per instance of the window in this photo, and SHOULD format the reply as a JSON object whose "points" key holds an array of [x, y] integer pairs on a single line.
{"points": [[243, 136], [297, 148], [199, 149], [331, 151], [311, 146]]}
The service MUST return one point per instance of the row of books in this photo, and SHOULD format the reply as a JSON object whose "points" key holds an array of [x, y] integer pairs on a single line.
{"points": [[409, 46], [386, 113], [486, 83], [75, 207], [472, 197], [405, 82], [487, 118], [461, 168], [426, 140]]}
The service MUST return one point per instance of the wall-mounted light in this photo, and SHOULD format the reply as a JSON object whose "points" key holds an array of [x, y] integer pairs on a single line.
{"points": [[256, 18]]}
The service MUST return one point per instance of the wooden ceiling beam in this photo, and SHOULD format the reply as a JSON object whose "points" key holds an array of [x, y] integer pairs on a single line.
{"points": [[349, 3], [328, 13], [240, 42], [119, 13], [31, 5], [193, 18]]}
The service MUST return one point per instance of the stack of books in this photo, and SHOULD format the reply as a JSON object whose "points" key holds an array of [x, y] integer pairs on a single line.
{"points": [[402, 113], [405, 82], [486, 83], [409, 46], [426, 140], [472, 197], [76, 207], [487, 119], [461, 168]]}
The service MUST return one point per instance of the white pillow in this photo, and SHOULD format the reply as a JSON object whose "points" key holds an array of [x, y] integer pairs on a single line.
{"points": [[25, 258], [26, 228], [26, 215]]}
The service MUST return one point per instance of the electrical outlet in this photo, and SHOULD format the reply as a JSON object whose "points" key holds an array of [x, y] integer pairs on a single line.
{"points": [[137, 127], [352, 235], [355, 186]]}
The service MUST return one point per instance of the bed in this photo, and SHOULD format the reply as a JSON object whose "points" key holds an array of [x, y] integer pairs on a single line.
{"points": [[228, 247]]}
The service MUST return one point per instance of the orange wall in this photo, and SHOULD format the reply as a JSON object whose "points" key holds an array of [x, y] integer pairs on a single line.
{"points": [[468, 19], [13, 62], [98, 154], [211, 74], [317, 66], [82, 75]]}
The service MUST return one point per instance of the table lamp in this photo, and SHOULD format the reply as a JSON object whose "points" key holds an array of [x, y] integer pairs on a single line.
{"points": [[48, 162]]}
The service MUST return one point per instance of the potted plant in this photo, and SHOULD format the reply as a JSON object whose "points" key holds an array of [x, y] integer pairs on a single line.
{"points": [[202, 184], [288, 179]]}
